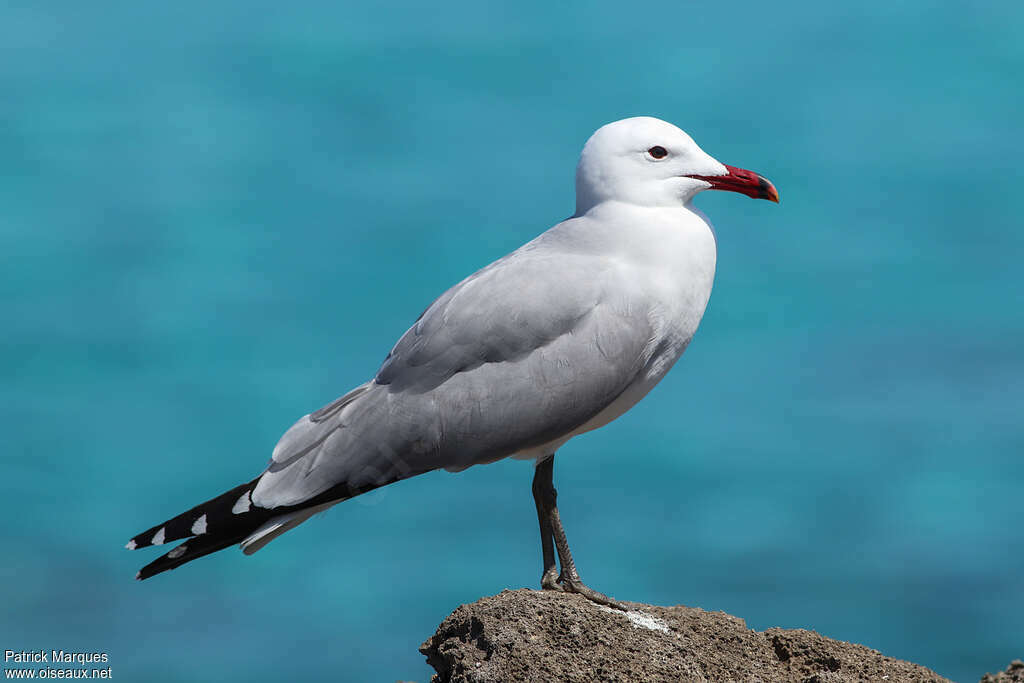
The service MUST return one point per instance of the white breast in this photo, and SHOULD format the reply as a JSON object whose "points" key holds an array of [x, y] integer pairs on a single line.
{"points": [[669, 257]]}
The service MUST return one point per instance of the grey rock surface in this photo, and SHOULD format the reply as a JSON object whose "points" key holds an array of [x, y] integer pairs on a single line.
{"points": [[527, 635], [1013, 674]]}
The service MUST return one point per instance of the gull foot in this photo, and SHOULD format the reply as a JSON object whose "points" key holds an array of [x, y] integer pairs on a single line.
{"points": [[549, 581]]}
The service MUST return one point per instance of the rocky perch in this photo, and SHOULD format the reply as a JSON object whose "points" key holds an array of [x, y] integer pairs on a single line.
{"points": [[527, 635]]}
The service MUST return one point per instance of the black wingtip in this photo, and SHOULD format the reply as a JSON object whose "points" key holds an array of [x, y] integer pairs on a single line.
{"points": [[214, 512], [192, 549], [223, 525]]}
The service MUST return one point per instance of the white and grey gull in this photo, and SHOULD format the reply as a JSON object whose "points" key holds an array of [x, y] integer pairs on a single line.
{"points": [[559, 337]]}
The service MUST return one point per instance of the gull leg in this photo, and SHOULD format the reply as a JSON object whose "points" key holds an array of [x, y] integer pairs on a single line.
{"points": [[549, 580], [546, 497]]}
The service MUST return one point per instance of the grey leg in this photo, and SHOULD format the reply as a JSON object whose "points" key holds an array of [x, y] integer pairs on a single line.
{"points": [[546, 497], [549, 580]]}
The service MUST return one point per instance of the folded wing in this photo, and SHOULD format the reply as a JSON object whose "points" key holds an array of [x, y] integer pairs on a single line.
{"points": [[513, 357]]}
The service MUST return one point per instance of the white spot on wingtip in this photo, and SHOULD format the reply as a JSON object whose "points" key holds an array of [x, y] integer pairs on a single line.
{"points": [[177, 552], [199, 526], [130, 545], [138, 576], [242, 504], [158, 537]]}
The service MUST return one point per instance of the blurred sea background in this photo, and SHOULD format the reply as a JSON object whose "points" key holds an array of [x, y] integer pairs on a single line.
{"points": [[217, 217]]}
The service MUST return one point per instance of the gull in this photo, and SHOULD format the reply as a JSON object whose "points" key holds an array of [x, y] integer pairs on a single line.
{"points": [[557, 338]]}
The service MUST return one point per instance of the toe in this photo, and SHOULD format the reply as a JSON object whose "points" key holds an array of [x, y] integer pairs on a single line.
{"points": [[590, 594]]}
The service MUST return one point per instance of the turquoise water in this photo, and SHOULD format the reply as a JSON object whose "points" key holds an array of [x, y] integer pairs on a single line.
{"points": [[217, 217]]}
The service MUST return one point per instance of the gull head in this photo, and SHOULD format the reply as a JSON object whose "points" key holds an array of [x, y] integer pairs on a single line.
{"points": [[650, 162]]}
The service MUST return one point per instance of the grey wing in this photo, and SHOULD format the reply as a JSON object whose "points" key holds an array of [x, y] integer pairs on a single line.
{"points": [[517, 355], [500, 314]]}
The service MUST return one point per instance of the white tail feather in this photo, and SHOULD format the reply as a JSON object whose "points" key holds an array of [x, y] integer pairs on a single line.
{"points": [[276, 526]]}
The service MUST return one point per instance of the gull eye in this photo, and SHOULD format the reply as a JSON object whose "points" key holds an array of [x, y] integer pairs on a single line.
{"points": [[658, 152]]}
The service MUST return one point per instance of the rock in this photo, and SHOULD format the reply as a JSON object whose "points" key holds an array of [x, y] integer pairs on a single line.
{"points": [[1013, 674], [527, 635]]}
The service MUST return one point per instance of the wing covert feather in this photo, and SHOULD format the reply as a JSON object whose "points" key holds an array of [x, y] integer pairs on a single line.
{"points": [[499, 314]]}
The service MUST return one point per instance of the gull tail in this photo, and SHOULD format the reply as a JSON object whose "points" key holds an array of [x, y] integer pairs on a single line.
{"points": [[219, 522], [276, 526]]}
